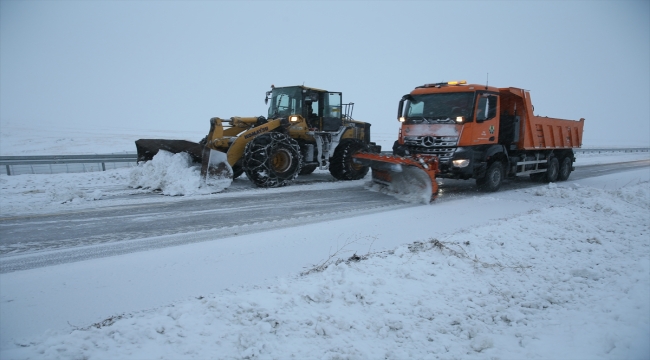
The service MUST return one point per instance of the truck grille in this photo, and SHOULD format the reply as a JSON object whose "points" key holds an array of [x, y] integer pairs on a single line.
{"points": [[443, 146]]}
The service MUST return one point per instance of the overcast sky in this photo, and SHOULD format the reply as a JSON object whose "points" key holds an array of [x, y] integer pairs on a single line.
{"points": [[174, 64]]}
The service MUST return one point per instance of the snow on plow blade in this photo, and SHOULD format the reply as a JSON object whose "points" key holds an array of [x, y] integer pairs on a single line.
{"points": [[408, 176], [215, 168], [148, 148]]}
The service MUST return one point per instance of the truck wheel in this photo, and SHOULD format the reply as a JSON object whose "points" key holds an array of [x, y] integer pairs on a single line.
{"points": [[308, 169], [272, 160], [552, 170], [493, 178], [341, 165], [565, 169]]}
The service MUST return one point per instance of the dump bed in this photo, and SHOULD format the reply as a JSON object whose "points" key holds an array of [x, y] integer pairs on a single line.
{"points": [[537, 132]]}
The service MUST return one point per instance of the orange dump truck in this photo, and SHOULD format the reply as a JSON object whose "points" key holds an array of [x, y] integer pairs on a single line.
{"points": [[468, 131]]}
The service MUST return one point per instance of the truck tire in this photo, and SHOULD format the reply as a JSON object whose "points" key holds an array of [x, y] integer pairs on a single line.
{"points": [[341, 165], [552, 170], [565, 169], [493, 178], [272, 160]]}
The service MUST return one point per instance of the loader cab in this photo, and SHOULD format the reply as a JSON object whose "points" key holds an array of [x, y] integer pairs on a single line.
{"points": [[321, 109]]}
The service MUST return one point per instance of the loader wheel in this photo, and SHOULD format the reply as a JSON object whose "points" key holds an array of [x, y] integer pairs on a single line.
{"points": [[272, 160], [237, 170], [552, 170], [565, 169], [308, 169], [493, 178], [341, 165]]}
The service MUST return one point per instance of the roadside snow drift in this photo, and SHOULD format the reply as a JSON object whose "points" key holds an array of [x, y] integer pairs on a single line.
{"points": [[569, 280]]}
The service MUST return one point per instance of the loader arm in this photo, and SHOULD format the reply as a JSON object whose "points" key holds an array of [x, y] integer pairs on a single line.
{"points": [[236, 150]]}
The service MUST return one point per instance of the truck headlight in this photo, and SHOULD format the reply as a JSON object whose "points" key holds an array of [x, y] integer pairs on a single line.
{"points": [[461, 163], [459, 119], [293, 118]]}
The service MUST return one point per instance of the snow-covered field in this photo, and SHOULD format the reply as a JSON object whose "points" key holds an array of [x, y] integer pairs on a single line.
{"points": [[558, 271]]}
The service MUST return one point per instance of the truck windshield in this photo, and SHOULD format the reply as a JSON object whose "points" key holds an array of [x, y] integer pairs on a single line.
{"points": [[438, 108], [285, 101]]}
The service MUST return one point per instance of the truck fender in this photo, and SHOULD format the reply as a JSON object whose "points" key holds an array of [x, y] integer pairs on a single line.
{"points": [[496, 151], [492, 153]]}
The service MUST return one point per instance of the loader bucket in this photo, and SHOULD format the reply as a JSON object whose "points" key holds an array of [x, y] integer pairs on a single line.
{"points": [[215, 168], [412, 177], [148, 148]]}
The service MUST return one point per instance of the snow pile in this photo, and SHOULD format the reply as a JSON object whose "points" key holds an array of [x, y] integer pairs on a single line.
{"points": [[45, 192], [568, 280], [72, 194], [174, 174]]}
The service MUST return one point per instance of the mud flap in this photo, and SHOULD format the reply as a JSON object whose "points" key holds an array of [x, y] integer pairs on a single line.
{"points": [[215, 169], [412, 178]]}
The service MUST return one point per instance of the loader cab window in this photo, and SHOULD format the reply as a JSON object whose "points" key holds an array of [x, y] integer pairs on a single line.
{"points": [[486, 108], [285, 102], [332, 111], [312, 109]]}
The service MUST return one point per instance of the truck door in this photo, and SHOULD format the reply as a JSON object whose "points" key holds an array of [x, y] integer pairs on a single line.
{"points": [[486, 124]]}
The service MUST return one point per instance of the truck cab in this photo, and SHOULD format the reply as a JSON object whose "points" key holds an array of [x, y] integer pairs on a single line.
{"points": [[456, 122]]}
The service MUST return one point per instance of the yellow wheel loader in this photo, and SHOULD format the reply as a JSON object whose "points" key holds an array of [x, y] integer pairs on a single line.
{"points": [[306, 129]]}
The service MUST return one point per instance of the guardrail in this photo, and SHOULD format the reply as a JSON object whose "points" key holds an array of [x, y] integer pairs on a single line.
{"points": [[101, 160], [602, 150]]}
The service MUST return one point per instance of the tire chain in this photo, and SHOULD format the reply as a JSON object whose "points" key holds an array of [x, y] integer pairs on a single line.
{"points": [[259, 166]]}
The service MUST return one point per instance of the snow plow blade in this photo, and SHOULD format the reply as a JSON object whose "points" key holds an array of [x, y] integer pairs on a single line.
{"points": [[411, 176], [148, 148]]}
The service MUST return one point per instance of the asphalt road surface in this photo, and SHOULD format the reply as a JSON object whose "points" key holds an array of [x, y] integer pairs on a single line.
{"points": [[40, 240]]}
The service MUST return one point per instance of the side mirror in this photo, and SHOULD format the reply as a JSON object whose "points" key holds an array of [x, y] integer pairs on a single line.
{"points": [[400, 107]]}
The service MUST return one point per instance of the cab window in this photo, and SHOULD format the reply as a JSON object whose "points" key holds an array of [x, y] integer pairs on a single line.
{"points": [[486, 108]]}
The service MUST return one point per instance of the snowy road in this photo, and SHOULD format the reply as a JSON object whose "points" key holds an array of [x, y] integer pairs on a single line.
{"points": [[594, 250], [143, 222]]}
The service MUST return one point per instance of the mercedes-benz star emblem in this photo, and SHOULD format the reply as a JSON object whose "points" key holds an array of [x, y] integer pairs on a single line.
{"points": [[428, 141]]}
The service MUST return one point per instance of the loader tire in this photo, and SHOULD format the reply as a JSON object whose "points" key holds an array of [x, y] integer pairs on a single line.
{"points": [[272, 160], [308, 169], [493, 178], [552, 170], [237, 170], [565, 169], [341, 165]]}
